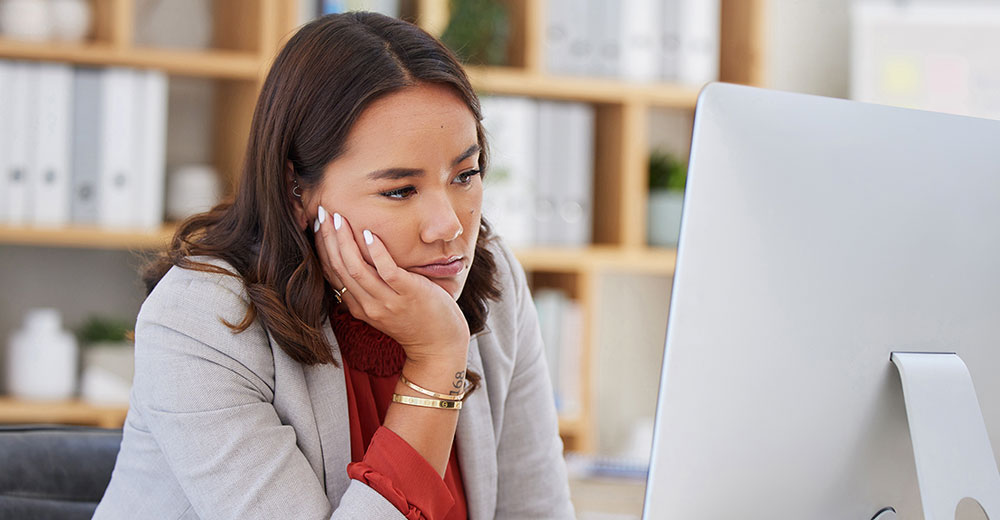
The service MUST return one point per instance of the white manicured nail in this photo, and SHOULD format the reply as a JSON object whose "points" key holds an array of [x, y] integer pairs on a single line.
{"points": [[321, 215], [337, 221], [368, 237], [316, 226]]}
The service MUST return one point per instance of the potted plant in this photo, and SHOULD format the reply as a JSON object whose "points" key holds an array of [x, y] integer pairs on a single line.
{"points": [[667, 177], [108, 360]]}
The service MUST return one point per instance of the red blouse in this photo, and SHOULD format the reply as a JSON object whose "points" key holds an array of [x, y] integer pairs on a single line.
{"points": [[380, 458]]}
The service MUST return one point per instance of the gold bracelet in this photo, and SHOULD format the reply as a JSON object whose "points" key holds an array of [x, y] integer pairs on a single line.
{"points": [[427, 403], [430, 393]]}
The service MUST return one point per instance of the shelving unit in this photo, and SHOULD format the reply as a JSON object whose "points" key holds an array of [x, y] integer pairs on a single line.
{"points": [[248, 34]]}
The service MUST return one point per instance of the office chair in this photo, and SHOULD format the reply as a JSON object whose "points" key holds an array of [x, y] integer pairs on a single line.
{"points": [[54, 472]]}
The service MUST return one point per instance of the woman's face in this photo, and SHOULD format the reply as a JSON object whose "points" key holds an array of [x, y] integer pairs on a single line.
{"points": [[410, 174]]}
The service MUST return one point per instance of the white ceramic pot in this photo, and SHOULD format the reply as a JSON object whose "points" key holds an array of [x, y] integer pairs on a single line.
{"points": [[28, 20], [664, 217], [70, 19]]}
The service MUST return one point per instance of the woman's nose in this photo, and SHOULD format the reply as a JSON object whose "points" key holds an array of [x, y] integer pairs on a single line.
{"points": [[440, 221]]}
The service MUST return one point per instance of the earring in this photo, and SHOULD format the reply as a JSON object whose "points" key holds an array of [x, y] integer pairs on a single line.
{"points": [[296, 191]]}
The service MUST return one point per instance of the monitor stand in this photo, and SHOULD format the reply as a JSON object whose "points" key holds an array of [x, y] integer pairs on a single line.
{"points": [[951, 447]]}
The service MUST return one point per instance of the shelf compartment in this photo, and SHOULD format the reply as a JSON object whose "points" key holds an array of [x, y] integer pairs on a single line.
{"points": [[208, 63]]}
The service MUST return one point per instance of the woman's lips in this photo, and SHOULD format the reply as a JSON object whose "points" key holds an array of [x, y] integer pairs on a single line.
{"points": [[443, 270]]}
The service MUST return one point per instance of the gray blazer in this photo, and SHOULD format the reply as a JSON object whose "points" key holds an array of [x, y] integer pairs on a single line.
{"points": [[226, 425]]}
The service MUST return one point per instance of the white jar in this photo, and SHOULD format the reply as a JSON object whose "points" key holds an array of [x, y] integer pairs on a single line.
{"points": [[28, 20], [70, 19], [42, 358]]}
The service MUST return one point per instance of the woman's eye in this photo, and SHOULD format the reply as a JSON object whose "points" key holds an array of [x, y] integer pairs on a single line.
{"points": [[466, 177], [399, 193]]}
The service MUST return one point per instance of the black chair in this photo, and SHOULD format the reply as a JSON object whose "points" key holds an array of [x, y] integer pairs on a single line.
{"points": [[54, 472]]}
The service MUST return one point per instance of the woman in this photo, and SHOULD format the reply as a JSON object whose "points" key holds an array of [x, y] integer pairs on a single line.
{"points": [[345, 339]]}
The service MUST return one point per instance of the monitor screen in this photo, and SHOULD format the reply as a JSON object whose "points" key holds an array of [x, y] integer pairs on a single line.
{"points": [[819, 236]]}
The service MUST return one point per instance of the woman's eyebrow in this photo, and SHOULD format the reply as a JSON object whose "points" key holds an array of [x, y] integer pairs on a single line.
{"points": [[469, 152], [394, 174]]}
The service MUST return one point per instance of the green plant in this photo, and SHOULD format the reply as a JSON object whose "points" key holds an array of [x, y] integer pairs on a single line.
{"points": [[99, 329], [666, 172], [478, 31]]}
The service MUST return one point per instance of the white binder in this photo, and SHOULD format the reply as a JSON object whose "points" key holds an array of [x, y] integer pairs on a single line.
{"points": [[699, 24], [509, 185], [21, 130], [117, 186], [50, 183], [86, 152], [6, 77], [151, 139], [564, 196]]}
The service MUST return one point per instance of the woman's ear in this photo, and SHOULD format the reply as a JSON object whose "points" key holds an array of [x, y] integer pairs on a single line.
{"points": [[295, 198]]}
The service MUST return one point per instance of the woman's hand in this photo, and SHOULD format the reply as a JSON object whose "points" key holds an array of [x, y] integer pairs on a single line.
{"points": [[421, 316]]}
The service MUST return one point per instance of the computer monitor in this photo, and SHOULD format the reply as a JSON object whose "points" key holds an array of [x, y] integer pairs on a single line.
{"points": [[818, 237]]}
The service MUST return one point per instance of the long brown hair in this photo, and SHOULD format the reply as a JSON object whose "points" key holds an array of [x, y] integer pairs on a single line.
{"points": [[319, 84]]}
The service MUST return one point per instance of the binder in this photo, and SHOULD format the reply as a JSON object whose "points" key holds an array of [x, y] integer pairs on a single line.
{"points": [[568, 42], [640, 46], [509, 185], [699, 24], [22, 128], [150, 151], [86, 147], [669, 40], [6, 78], [574, 199], [117, 178], [50, 184], [564, 200]]}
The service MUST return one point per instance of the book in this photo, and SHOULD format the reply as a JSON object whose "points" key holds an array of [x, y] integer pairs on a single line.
{"points": [[549, 306], [50, 184]]}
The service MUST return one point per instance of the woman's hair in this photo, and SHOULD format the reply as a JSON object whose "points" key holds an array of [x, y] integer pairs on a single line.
{"points": [[318, 86]]}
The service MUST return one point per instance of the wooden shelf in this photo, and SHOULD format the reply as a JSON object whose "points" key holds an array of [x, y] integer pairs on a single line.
{"points": [[17, 411], [598, 258], [549, 259], [201, 63], [518, 82], [86, 237]]}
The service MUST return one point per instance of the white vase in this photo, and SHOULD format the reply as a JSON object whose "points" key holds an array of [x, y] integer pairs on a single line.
{"points": [[28, 20], [664, 222], [42, 358], [70, 19]]}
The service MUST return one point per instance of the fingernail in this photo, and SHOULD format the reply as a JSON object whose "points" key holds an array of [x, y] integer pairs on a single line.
{"points": [[316, 226], [337, 221], [322, 215], [368, 237]]}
